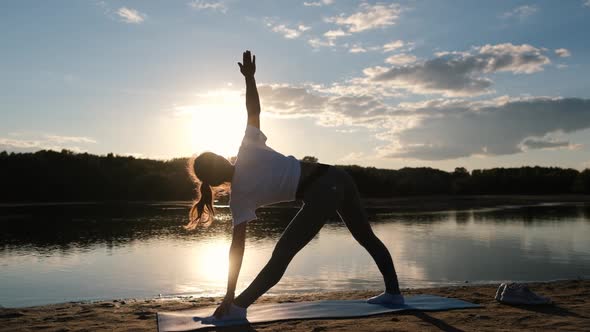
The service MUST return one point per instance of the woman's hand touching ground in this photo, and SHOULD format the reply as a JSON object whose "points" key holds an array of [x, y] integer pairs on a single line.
{"points": [[223, 308], [248, 65]]}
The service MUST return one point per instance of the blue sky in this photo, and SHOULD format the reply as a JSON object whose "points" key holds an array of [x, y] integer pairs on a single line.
{"points": [[388, 84]]}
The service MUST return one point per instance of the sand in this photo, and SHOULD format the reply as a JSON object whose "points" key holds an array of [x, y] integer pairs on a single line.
{"points": [[570, 312]]}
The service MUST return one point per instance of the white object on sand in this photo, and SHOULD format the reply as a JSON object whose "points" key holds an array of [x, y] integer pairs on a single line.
{"points": [[515, 293]]}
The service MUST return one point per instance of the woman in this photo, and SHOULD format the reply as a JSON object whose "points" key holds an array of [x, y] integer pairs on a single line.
{"points": [[262, 176]]}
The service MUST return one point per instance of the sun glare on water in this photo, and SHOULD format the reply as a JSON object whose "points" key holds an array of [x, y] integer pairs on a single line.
{"points": [[218, 122], [213, 262], [205, 265]]}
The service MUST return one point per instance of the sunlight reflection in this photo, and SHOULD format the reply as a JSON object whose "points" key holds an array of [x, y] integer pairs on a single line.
{"points": [[207, 268]]}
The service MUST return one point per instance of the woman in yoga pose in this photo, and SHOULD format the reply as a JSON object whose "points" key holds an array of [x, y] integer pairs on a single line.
{"points": [[262, 176]]}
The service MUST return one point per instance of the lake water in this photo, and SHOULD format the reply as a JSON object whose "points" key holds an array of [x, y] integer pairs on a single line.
{"points": [[58, 253]]}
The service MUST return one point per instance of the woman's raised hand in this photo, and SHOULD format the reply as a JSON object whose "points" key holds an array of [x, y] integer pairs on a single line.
{"points": [[248, 65]]}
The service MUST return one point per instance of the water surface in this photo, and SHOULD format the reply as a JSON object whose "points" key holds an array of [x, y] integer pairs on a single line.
{"points": [[57, 253]]}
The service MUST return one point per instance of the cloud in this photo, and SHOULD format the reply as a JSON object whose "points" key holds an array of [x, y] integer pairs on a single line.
{"points": [[394, 45], [521, 12], [318, 3], [336, 33], [303, 28], [353, 157], [330, 37], [69, 139], [449, 130], [532, 143], [208, 5], [401, 59], [461, 73], [130, 15], [435, 129], [44, 142], [586, 3], [317, 42], [290, 100], [285, 30], [562, 52], [357, 49], [368, 17], [329, 108]]}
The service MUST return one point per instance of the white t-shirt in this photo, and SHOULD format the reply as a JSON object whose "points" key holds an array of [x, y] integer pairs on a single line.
{"points": [[262, 176]]}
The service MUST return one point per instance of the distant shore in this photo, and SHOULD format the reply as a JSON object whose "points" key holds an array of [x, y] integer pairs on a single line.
{"points": [[570, 311], [468, 202], [440, 203], [427, 203]]}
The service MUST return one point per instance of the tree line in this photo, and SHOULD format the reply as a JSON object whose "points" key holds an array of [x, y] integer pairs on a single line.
{"points": [[49, 176]]}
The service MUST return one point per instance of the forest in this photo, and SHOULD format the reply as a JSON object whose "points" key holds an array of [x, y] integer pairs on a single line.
{"points": [[50, 176]]}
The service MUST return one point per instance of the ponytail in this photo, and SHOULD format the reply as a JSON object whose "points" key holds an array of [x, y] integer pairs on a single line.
{"points": [[202, 210], [204, 172]]}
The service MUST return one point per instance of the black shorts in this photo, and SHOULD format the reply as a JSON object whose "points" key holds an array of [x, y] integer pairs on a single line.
{"points": [[304, 183]]}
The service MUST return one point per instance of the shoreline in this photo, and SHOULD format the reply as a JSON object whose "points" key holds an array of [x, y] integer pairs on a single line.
{"points": [[270, 296], [405, 203], [570, 311], [440, 203]]}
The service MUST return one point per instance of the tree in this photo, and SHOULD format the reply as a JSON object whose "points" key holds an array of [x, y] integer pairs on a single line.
{"points": [[69, 176], [310, 159], [582, 183], [460, 172]]}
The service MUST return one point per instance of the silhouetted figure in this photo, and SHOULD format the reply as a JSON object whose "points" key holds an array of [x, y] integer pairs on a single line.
{"points": [[262, 176]]}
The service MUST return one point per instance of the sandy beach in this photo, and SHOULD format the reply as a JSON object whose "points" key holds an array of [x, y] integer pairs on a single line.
{"points": [[570, 312]]}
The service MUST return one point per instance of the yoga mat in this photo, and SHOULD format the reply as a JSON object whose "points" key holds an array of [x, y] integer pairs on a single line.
{"points": [[190, 320]]}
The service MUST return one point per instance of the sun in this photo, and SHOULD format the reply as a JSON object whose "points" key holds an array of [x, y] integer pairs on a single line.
{"points": [[218, 122]]}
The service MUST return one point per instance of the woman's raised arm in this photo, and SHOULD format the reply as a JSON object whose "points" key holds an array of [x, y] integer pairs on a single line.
{"points": [[248, 68]]}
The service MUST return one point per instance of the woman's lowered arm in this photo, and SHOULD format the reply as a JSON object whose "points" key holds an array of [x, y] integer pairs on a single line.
{"points": [[236, 255]]}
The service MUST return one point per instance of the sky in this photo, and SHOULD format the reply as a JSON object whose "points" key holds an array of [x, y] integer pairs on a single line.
{"points": [[391, 84]]}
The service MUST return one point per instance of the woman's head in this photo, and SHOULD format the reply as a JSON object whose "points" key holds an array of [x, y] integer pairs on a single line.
{"points": [[207, 170]]}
